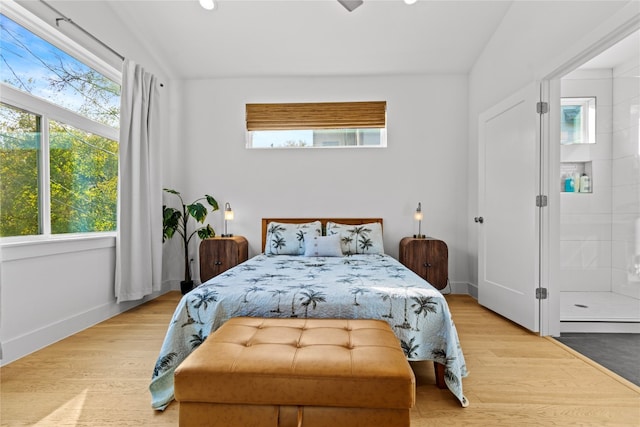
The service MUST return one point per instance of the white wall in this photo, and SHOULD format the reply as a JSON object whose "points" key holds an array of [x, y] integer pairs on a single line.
{"points": [[54, 288], [532, 41], [424, 161], [51, 290], [626, 179]]}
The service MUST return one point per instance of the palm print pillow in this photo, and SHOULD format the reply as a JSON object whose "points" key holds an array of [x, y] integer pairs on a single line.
{"points": [[289, 239], [358, 239]]}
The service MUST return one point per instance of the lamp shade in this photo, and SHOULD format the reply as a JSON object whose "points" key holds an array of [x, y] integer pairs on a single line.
{"points": [[418, 214], [228, 212], [228, 216]]}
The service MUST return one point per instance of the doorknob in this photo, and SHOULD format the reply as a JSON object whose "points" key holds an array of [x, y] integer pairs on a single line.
{"points": [[479, 219]]}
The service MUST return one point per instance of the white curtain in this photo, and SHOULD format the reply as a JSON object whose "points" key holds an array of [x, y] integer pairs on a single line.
{"points": [[139, 237]]}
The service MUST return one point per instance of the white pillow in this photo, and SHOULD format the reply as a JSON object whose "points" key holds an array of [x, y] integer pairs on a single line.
{"points": [[358, 239], [289, 239], [323, 246]]}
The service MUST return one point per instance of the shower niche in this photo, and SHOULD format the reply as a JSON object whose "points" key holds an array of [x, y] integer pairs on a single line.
{"points": [[576, 177]]}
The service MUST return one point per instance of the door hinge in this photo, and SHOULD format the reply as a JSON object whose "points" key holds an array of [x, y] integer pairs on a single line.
{"points": [[541, 201], [542, 107], [541, 293]]}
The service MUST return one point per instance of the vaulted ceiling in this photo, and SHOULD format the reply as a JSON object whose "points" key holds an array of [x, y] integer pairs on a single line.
{"points": [[297, 37], [301, 37]]}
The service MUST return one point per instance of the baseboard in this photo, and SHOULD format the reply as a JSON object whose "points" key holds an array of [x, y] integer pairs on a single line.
{"points": [[462, 288], [23, 345], [601, 327]]}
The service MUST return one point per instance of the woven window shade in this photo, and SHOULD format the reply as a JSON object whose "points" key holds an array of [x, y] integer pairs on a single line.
{"points": [[325, 115]]}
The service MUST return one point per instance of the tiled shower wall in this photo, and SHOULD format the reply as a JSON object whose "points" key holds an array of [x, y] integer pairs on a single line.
{"points": [[626, 179], [600, 231], [586, 232]]}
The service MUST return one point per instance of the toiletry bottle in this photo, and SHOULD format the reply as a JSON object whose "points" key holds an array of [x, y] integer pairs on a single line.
{"points": [[576, 182], [569, 185], [585, 183]]}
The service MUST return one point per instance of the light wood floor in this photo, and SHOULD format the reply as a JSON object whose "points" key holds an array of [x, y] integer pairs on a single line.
{"points": [[100, 376]]}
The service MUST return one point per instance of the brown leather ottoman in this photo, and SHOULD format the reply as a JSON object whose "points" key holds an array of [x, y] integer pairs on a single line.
{"points": [[296, 372]]}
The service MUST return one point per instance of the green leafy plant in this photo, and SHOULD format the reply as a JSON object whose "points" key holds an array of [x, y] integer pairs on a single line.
{"points": [[177, 220]]}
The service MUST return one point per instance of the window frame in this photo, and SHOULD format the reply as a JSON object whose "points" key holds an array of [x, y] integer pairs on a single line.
{"points": [[47, 111], [357, 116], [588, 113]]}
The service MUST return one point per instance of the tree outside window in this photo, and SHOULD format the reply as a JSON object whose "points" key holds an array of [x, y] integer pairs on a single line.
{"points": [[59, 158]]}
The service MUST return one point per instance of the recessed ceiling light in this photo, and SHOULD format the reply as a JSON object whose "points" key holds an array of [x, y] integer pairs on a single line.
{"points": [[208, 4]]}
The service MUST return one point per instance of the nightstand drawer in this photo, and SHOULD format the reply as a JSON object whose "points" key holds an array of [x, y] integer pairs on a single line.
{"points": [[428, 258], [219, 254]]}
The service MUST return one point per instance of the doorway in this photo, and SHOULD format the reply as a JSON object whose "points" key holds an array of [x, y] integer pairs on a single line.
{"points": [[599, 186]]}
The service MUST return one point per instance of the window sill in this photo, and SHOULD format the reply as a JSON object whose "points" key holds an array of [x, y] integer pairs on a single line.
{"points": [[39, 246]]}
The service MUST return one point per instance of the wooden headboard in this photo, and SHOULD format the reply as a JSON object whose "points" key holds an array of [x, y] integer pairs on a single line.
{"points": [[348, 221]]}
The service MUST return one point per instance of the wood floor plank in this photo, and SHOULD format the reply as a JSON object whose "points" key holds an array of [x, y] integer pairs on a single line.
{"points": [[100, 377]]}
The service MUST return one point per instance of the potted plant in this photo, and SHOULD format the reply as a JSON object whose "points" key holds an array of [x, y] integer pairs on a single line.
{"points": [[176, 221]]}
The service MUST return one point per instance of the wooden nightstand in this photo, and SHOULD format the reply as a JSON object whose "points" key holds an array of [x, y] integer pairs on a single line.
{"points": [[428, 258], [219, 254]]}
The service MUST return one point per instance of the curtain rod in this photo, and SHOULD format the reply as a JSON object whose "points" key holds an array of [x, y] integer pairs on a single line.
{"points": [[70, 21]]}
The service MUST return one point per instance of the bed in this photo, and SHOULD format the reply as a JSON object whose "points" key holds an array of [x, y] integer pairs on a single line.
{"points": [[322, 268]]}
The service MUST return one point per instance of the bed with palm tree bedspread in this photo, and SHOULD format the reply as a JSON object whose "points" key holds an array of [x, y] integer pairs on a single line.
{"points": [[306, 282]]}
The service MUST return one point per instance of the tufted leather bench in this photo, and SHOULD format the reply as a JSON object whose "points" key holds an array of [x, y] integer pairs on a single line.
{"points": [[296, 372]]}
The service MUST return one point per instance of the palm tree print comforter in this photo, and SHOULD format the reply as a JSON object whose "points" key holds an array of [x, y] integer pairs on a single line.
{"points": [[351, 287]]}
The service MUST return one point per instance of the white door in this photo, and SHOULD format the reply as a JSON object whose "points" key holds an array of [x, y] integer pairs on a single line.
{"points": [[508, 235]]}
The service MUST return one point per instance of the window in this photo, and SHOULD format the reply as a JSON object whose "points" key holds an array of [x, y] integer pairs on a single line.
{"points": [[329, 124], [59, 119], [19, 159], [578, 121]]}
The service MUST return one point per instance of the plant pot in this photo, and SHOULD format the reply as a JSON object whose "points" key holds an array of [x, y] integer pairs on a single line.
{"points": [[186, 286]]}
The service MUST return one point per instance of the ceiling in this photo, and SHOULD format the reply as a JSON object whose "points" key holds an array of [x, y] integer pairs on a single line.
{"points": [[295, 37], [617, 54]]}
